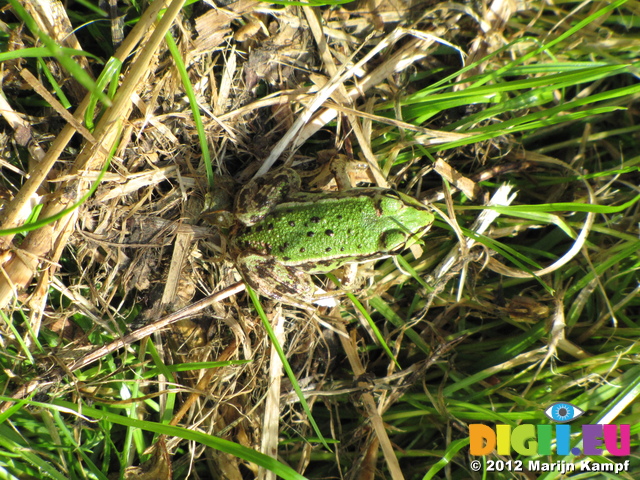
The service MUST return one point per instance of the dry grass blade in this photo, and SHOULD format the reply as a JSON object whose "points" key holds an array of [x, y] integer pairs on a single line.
{"points": [[60, 110], [272, 407], [342, 96], [372, 411], [41, 170], [415, 50]]}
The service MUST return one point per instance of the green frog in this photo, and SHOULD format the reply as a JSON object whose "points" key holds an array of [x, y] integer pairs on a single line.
{"points": [[283, 235]]}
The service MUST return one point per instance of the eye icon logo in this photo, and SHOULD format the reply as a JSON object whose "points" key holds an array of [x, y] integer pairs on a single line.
{"points": [[562, 412]]}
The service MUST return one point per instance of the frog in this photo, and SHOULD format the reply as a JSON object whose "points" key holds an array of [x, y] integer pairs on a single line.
{"points": [[283, 235]]}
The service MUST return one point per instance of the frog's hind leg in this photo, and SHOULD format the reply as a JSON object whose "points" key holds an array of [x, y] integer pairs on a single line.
{"points": [[272, 279]]}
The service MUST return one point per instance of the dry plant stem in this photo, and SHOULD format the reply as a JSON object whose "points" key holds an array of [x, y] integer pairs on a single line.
{"points": [[38, 299], [558, 326], [37, 176], [37, 308], [455, 178], [369, 461], [92, 156], [55, 104], [109, 125], [182, 248], [147, 330], [369, 403], [427, 137], [271, 419], [98, 353], [413, 51]]}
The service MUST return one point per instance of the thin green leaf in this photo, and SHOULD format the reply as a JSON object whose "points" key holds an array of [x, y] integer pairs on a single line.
{"points": [[59, 53], [109, 76], [173, 431]]}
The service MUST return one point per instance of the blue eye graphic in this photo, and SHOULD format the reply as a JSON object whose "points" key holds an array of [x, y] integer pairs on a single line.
{"points": [[563, 412]]}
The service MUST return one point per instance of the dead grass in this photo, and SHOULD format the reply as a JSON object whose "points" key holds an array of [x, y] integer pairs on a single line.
{"points": [[124, 306]]}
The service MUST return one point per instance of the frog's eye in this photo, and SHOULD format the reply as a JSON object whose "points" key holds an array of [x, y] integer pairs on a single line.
{"points": [[391, 239], [391, 202]]}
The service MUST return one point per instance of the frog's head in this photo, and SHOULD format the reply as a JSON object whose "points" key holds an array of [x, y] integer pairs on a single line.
{"points": [[411, 217], [410, 214]]}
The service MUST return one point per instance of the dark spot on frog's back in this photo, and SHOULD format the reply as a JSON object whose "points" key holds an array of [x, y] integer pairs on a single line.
{"points": [[329, 233], [315, 219], [283, 247]]}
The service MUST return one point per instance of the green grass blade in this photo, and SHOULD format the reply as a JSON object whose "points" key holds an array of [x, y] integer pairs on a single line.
{"points": [[59, 53], [286, 366]]}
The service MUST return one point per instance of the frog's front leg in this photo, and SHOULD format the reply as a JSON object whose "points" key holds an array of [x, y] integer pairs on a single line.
{"points": [[258, 197], [275, 280], [348, 172], [349, 274]]}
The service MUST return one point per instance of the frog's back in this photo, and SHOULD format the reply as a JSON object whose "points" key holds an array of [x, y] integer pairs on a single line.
{"points": [[324, 230]]}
